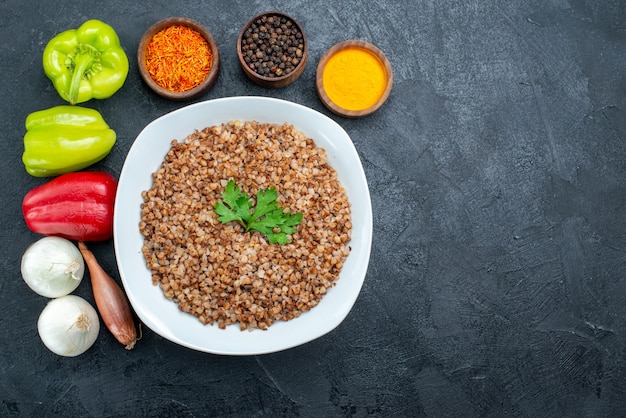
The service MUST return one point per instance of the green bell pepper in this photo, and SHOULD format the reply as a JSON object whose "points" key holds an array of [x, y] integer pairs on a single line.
{"points": [[86, 63], [65, 138]]}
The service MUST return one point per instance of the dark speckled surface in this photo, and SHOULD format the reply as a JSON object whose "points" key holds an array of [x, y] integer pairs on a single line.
{"points": [[497, 171]]}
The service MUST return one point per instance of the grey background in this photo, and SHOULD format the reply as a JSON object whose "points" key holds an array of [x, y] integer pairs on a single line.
{"points": [[496, 168]]}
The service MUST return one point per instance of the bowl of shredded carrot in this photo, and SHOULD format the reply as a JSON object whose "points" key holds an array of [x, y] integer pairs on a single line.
{"points": [[178, 58]]}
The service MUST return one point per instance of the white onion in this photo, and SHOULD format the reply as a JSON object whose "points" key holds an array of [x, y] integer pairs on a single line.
{"points": [[53, 267], [68, 326]]}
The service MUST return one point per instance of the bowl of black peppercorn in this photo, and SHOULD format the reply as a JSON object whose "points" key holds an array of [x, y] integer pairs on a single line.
{"points": [[272, 49]]}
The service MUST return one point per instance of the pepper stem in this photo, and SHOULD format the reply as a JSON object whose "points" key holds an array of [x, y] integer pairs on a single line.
{"points": [[82, 63]]}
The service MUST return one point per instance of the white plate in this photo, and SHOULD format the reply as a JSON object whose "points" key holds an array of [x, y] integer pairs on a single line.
{"points": [[162, 315]]}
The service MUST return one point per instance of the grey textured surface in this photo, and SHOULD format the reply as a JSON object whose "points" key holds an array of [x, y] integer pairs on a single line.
{"points": [[497, 167]]}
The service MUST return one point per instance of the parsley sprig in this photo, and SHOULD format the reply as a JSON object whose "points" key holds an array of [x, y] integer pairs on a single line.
{"points": [[267, 217]]}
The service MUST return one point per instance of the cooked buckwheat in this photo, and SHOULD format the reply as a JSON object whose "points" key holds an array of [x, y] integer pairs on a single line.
{"points": [[219, 273]]}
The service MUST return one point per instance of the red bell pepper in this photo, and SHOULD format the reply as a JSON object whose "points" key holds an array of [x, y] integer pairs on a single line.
{"points": [[77, 206]]}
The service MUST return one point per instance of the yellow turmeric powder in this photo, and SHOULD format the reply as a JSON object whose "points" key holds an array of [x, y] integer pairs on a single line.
{"points": [[354, 78]]}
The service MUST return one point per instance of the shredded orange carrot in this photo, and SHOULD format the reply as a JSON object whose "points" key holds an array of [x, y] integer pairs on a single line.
{"points": [[178, 58]]}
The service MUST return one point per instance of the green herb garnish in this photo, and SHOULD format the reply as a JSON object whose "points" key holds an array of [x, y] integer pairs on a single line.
{"points": [[267, 217]]}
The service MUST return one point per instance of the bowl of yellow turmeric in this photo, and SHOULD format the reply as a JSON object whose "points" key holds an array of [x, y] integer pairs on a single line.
{"points": [[178, 58], [354, 78]]}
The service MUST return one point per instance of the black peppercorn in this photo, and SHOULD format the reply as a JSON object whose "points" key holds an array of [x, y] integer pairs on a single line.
{"points": [[276, 42]]}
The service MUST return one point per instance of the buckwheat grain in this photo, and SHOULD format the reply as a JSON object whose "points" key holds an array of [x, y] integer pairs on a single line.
{"points": [[219, 273]]}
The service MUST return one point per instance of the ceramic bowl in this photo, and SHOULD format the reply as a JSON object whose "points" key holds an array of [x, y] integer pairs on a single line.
{"points": [[247, 58], [169, 94], [144, 158]]}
